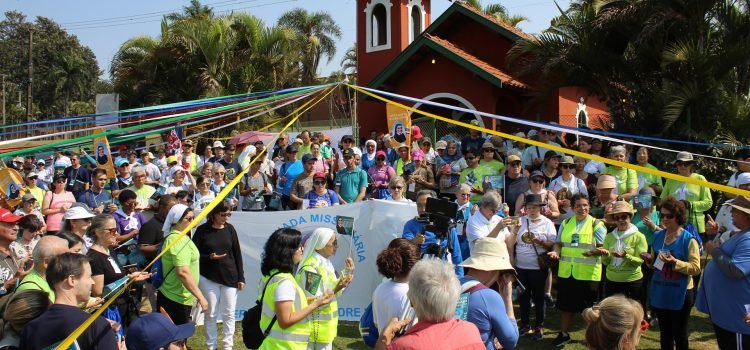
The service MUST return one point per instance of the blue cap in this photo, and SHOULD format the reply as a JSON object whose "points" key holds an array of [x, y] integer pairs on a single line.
{"points": [[537, 173], [153, 331], [308, 157], [121, 162]]}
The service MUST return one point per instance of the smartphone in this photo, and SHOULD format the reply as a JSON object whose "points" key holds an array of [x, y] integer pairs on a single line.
{"points": [[515, 220]]}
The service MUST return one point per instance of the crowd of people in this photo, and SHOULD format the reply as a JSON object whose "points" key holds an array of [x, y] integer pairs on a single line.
{"points": [[533, 225]]}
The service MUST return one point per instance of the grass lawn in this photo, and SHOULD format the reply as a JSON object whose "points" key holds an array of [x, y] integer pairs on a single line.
{"points": [[700, 329]]}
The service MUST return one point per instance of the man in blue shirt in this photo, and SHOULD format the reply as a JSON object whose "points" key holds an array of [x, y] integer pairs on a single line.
{"points": [[490, 311], [98, 197], [288, 171], [350, 183], [413, 232], [724, 292]]}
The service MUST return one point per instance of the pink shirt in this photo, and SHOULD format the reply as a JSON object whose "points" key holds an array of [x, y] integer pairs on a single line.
{"points": [[54, 221], [449, 335], [381, 175]]}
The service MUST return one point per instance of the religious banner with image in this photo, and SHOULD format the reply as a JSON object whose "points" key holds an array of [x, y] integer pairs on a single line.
{"points": [[399, 125], [12, 186], [102, 154]]}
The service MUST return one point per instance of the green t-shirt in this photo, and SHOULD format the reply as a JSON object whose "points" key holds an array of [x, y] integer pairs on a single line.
{"points": [[34, 281], [302, 150], [698, 196], [629, 269], [495, 167], [349, 183], [627, 179], [648, 179], [183, 253], [325, 151]]}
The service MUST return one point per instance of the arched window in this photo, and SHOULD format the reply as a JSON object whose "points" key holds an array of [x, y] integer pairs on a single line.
{"points": [[416, 22], [378, 25]]}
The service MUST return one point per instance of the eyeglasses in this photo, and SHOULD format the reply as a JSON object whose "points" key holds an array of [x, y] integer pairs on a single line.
{"points": [[515, 164], [622, 217], [61, 181], [565, 166], [538, 181], [111, 231], [644, 325], [666, 215], [397, 188], [225, 215], [319, 183]]}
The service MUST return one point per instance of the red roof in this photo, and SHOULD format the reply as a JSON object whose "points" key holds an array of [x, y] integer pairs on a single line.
{"points": [[496, 72], [495, 20]]}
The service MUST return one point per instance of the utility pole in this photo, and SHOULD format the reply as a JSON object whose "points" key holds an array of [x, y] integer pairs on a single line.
{"points": [[3, 75], [31, 72]]}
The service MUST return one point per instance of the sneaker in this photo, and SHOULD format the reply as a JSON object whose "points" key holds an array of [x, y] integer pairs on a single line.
{"points": [[548, 301], [538, 334], [561, 340], [525, 329]]}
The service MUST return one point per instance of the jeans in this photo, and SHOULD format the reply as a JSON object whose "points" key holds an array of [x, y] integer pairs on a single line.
{"points": [[673, 324], [221, 299], [534, 281]]}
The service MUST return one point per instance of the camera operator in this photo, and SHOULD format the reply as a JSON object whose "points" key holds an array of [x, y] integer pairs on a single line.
{"points": [[486, 223], [414, 231]]}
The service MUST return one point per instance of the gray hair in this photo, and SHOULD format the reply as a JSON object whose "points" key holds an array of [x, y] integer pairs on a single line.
{"points": [[48, 247], [433, 290], [396, 181], [138, 170], [617, 149], [514, 152], [490, 200], [216, 168], [464, 187], [431, 193]]}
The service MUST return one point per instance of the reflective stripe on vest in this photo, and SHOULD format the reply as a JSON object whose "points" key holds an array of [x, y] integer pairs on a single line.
{"points": [[324, 320], [572, 261], [294, 337]]}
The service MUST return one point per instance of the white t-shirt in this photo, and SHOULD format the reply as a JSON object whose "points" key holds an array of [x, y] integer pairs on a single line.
{"points": [[542, 228], [478, 226], [388, 301], [574, 185], [285, 291], [152, 172]]}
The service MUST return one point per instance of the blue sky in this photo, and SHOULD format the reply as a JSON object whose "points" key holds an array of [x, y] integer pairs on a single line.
{"points": [[105, 25]]}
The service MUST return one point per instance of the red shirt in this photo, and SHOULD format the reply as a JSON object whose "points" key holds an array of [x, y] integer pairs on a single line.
{"points": [[453, 334]]}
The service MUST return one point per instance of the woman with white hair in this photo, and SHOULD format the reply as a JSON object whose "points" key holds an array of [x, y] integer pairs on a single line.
{"points": [[434, 291], [317, 276], [626, 180]]}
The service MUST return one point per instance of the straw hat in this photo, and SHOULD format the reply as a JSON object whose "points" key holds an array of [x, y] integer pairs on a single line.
{"points": [[567, 160], [740, 203], [619, 207], [489, 254], [605, 181]]}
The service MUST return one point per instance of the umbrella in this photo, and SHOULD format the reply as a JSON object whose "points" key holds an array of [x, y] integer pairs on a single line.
{"points": [[250, 137]]}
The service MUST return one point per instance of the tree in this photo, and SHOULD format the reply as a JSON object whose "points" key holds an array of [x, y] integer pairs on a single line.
{"points": [[316, 34], [349, 62], [498, 11]]}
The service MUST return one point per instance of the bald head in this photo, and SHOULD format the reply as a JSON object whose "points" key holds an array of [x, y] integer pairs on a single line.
{"points": [[47, 248]]}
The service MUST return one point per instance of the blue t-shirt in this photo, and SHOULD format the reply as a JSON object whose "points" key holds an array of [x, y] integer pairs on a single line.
{"points": [[413, 228], [350, 183], [723, 297], [94, 200], [330, 197], [290, 170], [487, 312]]}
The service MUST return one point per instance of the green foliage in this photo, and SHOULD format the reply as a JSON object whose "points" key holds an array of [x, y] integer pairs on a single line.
{"points": [[498, 11], [64, 70]]}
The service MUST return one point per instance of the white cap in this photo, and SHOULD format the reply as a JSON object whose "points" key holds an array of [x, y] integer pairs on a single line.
{"points": [[520, 134], [532, 133], [218, 144], [357, 151], [742, 179], [77, 212]]}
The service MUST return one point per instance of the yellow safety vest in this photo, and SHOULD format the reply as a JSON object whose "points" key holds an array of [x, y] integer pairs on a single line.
{"points": [[193, 162], [294, 337], [572, 261], [324, 320]]}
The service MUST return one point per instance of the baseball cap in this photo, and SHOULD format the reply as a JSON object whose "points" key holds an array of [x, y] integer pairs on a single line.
{"points": [[28, 198], [77, 212], [308, 157], [153, 331], [291, 148], [7, 217], [121, 162], [348, 152], [171, 159], [187, 142], [218, 144], [31, 174], [513, 158], [380, 153], [536, 173], [319, 176], [416, 132], [347, 137], [40, 161], [441, 145]]}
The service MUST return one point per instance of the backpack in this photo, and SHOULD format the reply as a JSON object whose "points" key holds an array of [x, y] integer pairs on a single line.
{"points": [[462, 308], [158, 276], [367, 329], [252, 334]]}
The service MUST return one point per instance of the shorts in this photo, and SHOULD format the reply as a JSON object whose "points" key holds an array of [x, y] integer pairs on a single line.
{"points": [[575, 296]]}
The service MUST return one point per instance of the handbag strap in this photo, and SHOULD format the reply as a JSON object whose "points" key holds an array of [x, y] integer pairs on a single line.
{"points": [[273, 320]]}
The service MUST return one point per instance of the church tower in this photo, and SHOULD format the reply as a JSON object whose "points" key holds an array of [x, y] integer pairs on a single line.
{"points": [[384, 29]]}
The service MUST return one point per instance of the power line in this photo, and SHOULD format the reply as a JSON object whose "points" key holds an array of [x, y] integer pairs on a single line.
{"points": [[148, 14], [95, 26]]}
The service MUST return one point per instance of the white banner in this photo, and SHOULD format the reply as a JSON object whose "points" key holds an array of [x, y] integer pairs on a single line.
{"points": [[376, 223]]}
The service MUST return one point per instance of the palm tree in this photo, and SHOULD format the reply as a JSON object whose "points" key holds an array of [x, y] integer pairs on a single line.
{"points": [[316, 35], [497, 11], [349, 62], [71, 77], [194, 10]]}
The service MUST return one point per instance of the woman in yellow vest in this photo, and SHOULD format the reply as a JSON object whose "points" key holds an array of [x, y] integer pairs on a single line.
{"points": [[317, 276], [578, 247], [285, 308]]}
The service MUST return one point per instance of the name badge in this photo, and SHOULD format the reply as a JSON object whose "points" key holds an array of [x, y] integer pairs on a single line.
{"points": [[114, 265]]}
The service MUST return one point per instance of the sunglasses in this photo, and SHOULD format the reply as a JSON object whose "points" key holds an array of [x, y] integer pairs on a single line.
{"points": [[397, 188], [320, 183], [666, 216], [381, 159], [488, 150], [565, 166], [225, 215], [348, 141], [621, 217], [470, 158], [61, 181], [538, 181]]}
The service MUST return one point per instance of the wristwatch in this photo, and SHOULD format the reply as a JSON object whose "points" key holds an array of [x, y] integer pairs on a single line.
{"points": [[3, 291]]}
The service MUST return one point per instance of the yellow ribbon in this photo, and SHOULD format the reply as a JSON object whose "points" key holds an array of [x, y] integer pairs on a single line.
{"points": [[67, 342], [638, 168]]}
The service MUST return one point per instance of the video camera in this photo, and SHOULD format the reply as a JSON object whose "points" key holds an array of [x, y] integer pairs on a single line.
{"points": [[440, 218]]}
